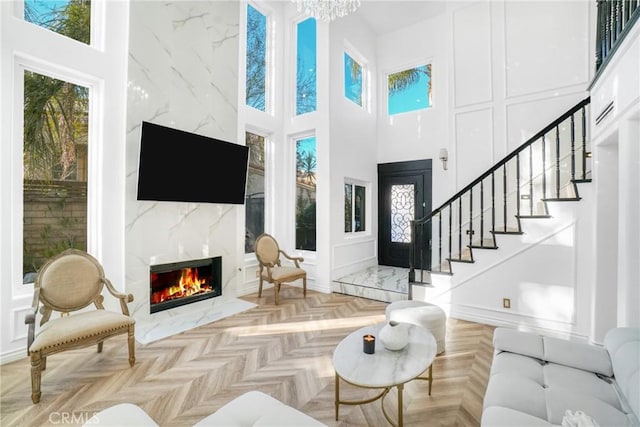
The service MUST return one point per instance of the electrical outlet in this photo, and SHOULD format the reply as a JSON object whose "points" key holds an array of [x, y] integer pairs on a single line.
{"points": [[506, 303]]}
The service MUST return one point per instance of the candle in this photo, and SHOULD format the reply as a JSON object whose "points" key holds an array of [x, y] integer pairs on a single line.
{"points": [[369, 344]]}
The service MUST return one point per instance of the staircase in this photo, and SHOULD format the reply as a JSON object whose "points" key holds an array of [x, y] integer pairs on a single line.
{"points": [[546, 168]]}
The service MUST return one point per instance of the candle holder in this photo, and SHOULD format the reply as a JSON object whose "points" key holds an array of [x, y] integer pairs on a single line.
{"points": [[369, 344]]}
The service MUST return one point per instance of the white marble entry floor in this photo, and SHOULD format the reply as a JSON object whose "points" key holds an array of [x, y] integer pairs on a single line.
{"points": [[380, 283]]}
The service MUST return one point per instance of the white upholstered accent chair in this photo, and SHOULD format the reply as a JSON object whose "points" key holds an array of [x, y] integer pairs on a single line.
{"points": [[271, 269], [69, 282]]}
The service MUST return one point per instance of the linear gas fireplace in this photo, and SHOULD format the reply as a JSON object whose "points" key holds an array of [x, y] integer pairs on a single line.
{"points": [[185, 282]]}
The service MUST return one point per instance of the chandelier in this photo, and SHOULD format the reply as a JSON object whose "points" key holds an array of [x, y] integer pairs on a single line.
{"points": [[327, 10]]}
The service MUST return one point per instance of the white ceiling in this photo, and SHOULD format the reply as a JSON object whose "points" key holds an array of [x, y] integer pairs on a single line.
{"points": [[384, 16]]}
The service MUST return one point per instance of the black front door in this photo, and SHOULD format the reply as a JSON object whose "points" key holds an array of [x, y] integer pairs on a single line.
{"points": [[404, 194]]}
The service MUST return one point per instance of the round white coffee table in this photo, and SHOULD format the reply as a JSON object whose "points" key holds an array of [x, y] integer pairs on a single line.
{"points": [[384, 368]]}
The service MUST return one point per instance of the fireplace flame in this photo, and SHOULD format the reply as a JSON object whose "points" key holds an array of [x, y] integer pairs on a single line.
{"points": [[189, 284]]}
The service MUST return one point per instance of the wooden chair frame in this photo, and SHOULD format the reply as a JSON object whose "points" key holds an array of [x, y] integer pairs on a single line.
{"points": [[46, 306], [268, 254]]}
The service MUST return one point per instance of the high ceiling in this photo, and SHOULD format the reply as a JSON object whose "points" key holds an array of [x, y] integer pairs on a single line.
{"points": [[384, 16]]}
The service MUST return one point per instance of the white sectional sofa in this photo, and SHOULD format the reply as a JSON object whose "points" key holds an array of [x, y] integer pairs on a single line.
{"points": [[253, 408], [535, 380]]}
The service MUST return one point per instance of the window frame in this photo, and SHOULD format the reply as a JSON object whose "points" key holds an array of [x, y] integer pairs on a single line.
{"points": [[267, 179], [269, 56], [294, 149], [94, 141], [356, 56], [367, 206], [294, 109]]}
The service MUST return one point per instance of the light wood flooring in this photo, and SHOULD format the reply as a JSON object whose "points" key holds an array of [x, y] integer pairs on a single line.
{"points": [[283, 350]]}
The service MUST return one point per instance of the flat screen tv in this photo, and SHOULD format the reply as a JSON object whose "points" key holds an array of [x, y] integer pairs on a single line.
{"points": [[180, 166]]}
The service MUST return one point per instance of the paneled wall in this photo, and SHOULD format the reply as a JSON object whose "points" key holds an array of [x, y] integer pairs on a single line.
{"points": [[502, 70]]}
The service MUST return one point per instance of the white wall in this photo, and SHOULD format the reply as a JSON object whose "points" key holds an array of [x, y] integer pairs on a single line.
{"points": [[102, 68], [502, 70], [353, 141], [617, 155], [420, 134]]}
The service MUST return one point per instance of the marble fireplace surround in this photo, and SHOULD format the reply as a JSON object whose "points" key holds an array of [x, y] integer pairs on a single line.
{"points": [[151, 327], [182, 73]]}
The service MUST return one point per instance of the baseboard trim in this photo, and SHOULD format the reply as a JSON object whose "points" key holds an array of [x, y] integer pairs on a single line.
{"points": [[12, 356]]}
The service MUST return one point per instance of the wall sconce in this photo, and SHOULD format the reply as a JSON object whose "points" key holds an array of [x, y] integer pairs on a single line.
{"points": [[444, 156]]}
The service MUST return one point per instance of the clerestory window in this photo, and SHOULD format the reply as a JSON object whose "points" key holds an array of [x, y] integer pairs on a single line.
{"points": [[256, 60], [70, 18], [306, 96], [409, 90]]}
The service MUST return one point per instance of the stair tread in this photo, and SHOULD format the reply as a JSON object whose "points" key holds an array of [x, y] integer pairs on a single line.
{"points": [[483, 247], [562, 199]]}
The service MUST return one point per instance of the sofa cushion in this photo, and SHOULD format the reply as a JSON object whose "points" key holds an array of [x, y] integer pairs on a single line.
{"points": [[121, 415], [255, 408], [514, 341], [506, 417], [578, 355], [508, 363], [535, 380], [559, 399], [516, 392], [580, 382]]}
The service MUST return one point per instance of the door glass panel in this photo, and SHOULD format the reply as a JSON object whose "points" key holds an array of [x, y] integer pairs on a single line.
{"points": [[402, 212]]}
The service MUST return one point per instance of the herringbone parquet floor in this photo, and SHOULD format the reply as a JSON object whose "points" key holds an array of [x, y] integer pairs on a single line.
{"points": [[283, 350]]}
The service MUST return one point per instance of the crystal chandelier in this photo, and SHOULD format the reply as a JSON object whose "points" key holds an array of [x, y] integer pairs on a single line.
{"points": [[327, 10]]}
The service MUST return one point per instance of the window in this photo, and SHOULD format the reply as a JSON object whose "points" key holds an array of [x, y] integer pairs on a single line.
{"points": [[306, 193], [256, 59], [354, 207], [254, 197], [55, 169], [306, 67], [409, 90], [71, 18], [352, 80]]}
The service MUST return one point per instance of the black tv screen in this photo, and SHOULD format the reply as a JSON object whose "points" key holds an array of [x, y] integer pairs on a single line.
{"points": [[180, 166]]}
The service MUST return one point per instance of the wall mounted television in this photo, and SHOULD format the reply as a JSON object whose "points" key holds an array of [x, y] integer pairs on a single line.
{"points": [[180, 166]]}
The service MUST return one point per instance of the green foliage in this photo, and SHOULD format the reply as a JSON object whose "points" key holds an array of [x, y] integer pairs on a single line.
{"points": [[404, 79]]}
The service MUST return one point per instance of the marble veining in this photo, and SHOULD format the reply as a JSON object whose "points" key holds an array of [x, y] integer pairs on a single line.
{"points": [[381, 277], [183, 58]]}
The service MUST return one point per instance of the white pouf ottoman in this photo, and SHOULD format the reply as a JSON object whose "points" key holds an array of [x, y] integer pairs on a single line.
{"points": [[429, 316]]}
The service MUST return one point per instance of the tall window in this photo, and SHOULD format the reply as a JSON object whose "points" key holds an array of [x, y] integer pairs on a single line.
{"points": [[306, 193], [71, 18], [409, 90], [54, 168], [254, 197], [256, 59], [354, 207], [352, 80], [306, 67]]}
